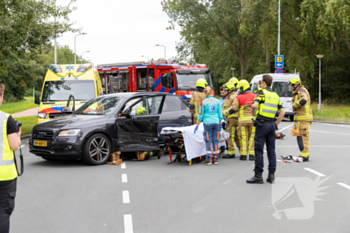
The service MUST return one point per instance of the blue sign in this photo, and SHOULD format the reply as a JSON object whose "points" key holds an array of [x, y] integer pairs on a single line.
{"points": [[278, 71], [279, 61]]}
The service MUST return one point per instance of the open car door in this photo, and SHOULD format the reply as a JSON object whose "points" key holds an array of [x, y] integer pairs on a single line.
{"points": [[138, 132]]}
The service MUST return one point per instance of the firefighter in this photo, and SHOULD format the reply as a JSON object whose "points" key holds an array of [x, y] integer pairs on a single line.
{"points": [[231, 121], [302, 115], [246, 130], [266, 103], [197, 97], [10, 141], [141, 155]]}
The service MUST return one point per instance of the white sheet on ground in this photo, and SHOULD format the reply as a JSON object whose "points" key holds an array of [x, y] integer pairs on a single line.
{"points": [[194, 142]]}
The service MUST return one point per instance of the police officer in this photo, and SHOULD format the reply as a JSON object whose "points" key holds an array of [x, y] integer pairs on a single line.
{"points": [[304, 117], [266, 104], [10, 140], [232, 121], [246, 130], [197, 97]]}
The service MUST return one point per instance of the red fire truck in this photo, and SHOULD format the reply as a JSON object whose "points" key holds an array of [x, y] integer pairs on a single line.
{"points": [[153, 76]]}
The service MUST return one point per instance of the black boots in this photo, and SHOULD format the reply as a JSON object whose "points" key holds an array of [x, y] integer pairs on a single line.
{"points": [[256, 179], [270, 177], [251, 157], [243, 157]]}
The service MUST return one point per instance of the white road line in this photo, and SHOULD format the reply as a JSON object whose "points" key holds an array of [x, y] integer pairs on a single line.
{"points": [[317, 131], [124, 178], [285, 128], [344, 185], [313, 171], [128, 228], [316, 146], [123, 166], [126, 197]]}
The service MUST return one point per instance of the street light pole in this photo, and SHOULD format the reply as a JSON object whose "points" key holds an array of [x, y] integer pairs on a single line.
{"points": [[81, 62], [319, 56], [145, 56], [279, 27], [164, 50], [75, 48], [233, 71]]}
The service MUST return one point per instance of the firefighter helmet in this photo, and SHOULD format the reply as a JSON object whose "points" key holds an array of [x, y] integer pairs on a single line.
{"points": [[141, 111], [294, 80], [201, 83], [234, 81], [243, 85], [229, 86]]}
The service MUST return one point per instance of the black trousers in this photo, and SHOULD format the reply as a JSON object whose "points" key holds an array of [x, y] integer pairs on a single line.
{"points": [[265, 132], [7, 203]]}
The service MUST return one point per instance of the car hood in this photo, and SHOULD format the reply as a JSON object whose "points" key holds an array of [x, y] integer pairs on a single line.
{"points": [[73, 121]]}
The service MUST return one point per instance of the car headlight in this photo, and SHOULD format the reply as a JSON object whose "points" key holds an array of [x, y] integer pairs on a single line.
{"points": [[69, 133], [42, 115]]}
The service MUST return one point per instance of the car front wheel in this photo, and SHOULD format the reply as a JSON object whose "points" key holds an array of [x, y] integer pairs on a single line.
{"points": [[97, 150]]}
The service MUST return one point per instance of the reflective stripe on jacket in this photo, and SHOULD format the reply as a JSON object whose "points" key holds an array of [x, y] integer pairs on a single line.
{"points": [[210, 111], [269, 103], [7, 164], [196, 98]]}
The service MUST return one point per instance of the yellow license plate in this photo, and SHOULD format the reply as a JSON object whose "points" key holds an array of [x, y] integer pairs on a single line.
{"points": [[40, 143]]}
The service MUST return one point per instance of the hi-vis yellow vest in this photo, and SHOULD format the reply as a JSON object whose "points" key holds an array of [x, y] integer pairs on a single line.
{"points": [[8, 169], [270, 107]]}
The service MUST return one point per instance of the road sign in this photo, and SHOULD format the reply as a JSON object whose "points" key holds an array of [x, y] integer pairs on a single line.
{"points": [[278, 71], [279, 61]]}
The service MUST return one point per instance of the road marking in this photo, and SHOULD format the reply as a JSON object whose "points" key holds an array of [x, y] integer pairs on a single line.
{"points": [[124, 178], [329, 132], [123, 166], [285, 128], [344, 185], [128, 228], [126, 197], [313, 171], [316, 146]]}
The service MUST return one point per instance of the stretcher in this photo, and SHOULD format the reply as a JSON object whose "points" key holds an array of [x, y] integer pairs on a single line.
{"points": [[176, 139]]}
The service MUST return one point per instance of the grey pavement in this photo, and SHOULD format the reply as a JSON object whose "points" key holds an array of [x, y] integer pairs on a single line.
{"points": [[26, 113], [72, 197]]}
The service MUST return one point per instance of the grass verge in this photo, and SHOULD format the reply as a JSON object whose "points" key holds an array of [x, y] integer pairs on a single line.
{"points": [[328, 112], [27, 124], [14, 107]]}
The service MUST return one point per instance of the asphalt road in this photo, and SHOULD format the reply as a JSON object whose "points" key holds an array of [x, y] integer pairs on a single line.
{"points": [[154, 196]]}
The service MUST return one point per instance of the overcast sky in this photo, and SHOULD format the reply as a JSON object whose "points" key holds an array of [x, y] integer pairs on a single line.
{"points": [[120, 30]]}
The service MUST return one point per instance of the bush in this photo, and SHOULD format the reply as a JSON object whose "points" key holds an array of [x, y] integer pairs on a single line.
{"points": [[29, 92]]}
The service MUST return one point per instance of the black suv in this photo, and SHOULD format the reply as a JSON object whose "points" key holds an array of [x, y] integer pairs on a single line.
{"points": [[107, 124]]}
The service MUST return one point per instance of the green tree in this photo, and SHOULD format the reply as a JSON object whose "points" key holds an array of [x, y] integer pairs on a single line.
{"points": [[25, 28]]}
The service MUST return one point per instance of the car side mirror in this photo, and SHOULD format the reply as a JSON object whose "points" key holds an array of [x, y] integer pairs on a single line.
{"points": [[71, 102], [126, 112], [37, 99], [66, 110]]}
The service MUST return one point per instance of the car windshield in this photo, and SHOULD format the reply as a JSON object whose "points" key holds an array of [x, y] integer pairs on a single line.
{"points": [[282, 89], [188, 81], [99, 106], [61, 90]]}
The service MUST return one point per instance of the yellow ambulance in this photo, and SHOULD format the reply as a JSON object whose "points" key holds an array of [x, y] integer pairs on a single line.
{"points": [[61, 81]]}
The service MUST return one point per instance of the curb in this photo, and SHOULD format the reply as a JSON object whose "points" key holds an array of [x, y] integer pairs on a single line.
{"points": [[333, 122]]}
